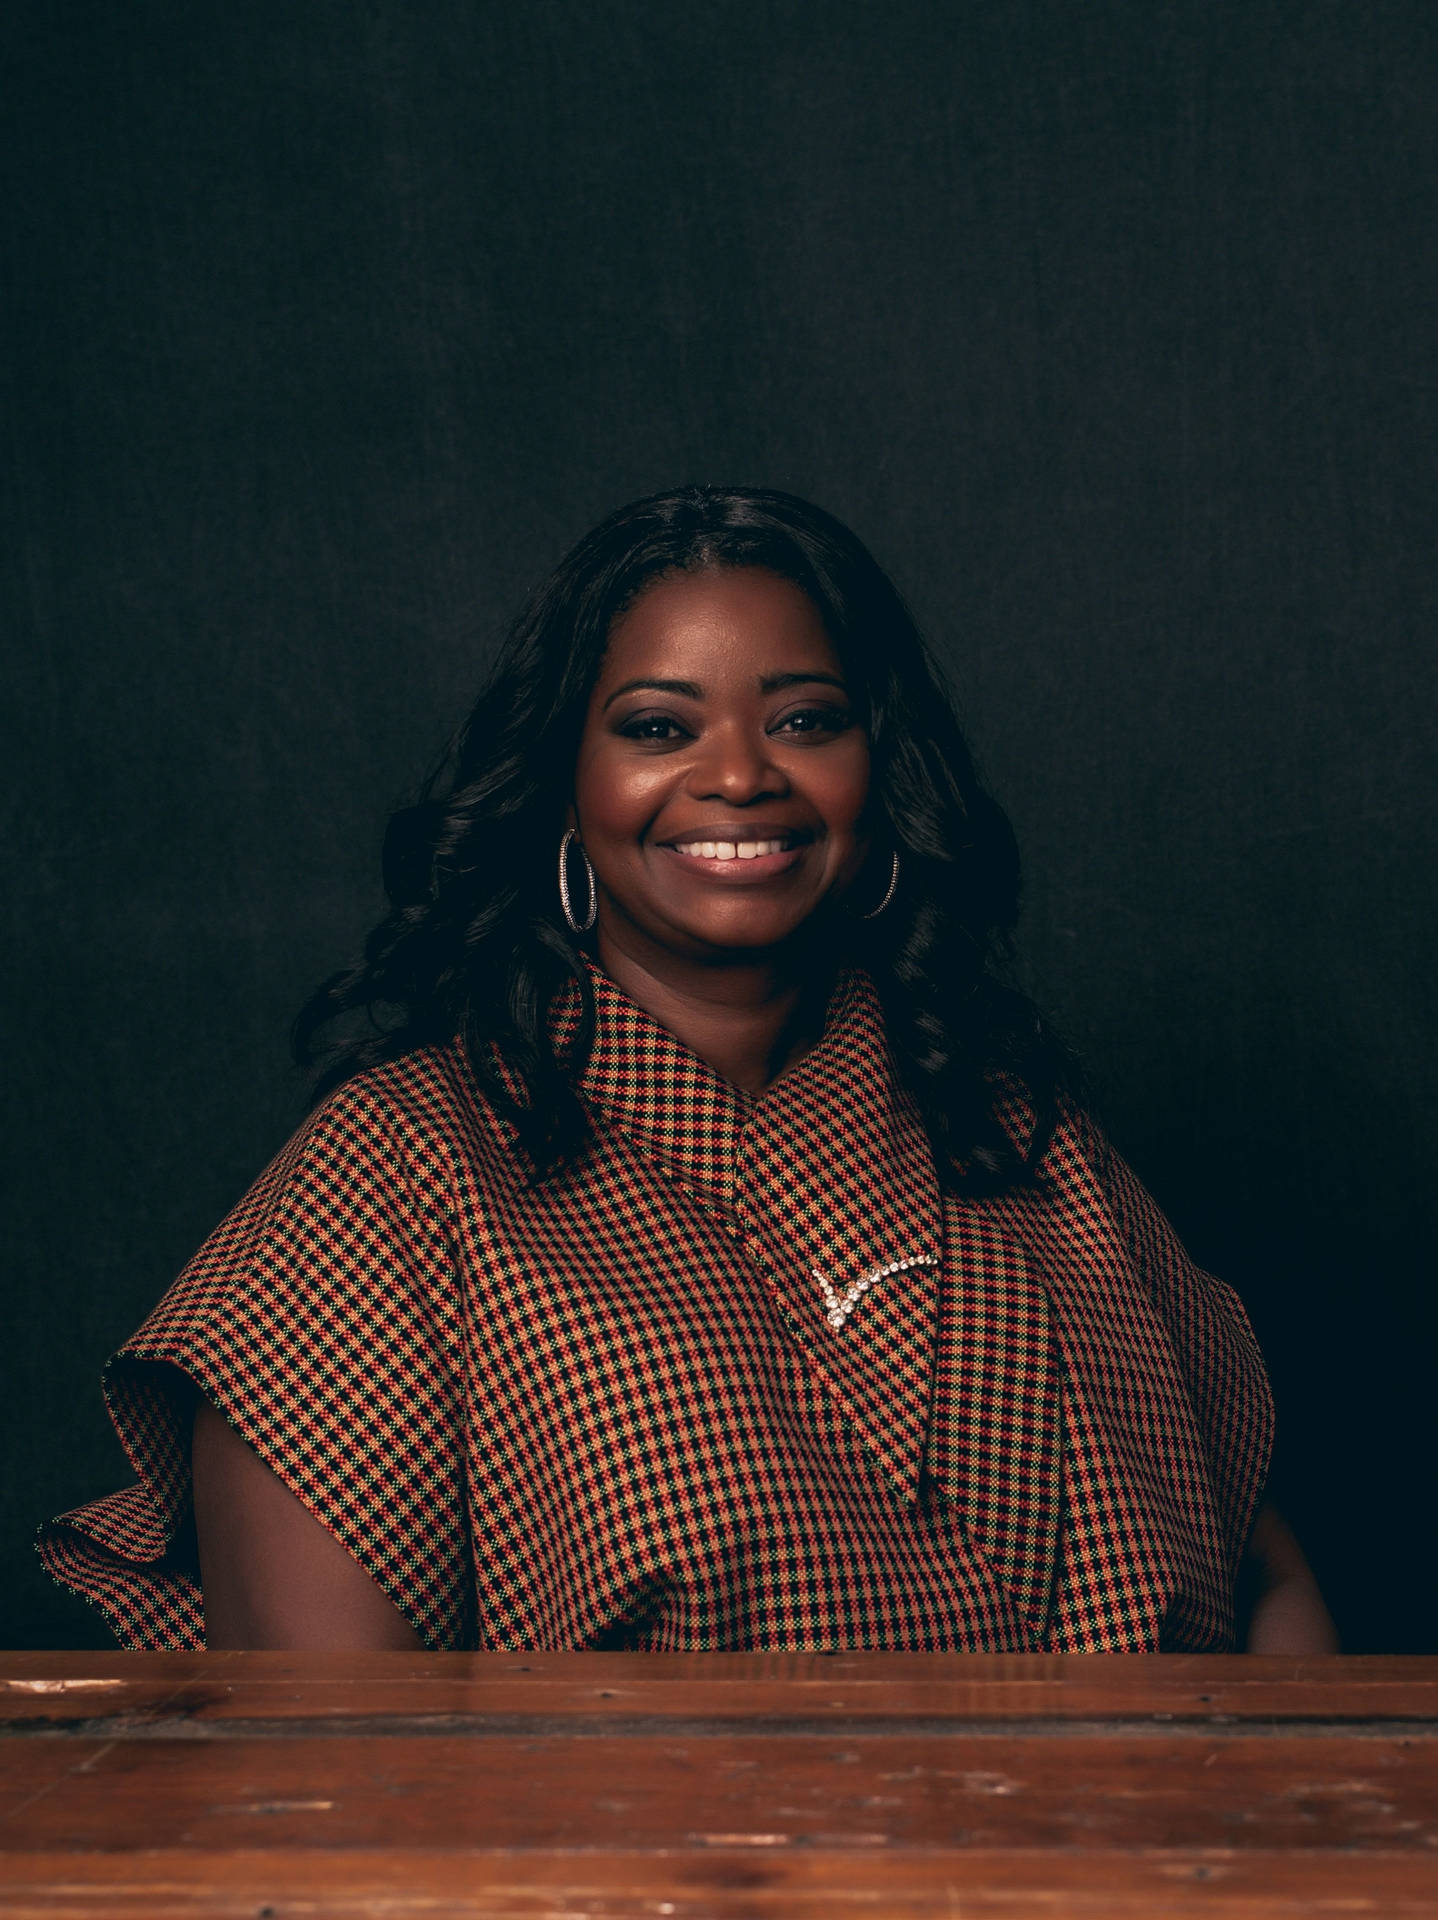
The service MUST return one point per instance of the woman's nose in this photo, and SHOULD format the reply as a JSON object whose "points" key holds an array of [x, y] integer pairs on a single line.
{"points": [[736, 765]]}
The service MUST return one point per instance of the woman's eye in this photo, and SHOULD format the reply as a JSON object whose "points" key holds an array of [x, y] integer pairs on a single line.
{"points": [[815, 720], [662, 729], [651, 726]]}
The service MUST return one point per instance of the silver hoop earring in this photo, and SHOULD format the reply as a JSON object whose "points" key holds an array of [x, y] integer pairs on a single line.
{"points": [[576, 926], [893, 883]]}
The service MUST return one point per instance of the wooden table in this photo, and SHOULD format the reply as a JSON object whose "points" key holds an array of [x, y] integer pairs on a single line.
{"points": [[277, 1785]]}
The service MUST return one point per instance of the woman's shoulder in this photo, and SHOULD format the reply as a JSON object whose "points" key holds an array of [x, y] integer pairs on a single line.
{"points": [[434, 1081], [423, 1112], [365, 1195]]}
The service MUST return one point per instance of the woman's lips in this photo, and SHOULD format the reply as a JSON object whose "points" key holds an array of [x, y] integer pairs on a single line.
{"points": [[736, 862]]}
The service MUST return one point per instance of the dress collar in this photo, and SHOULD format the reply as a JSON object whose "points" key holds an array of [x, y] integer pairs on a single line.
{"points": [[642, 1079], [684, 1114]]}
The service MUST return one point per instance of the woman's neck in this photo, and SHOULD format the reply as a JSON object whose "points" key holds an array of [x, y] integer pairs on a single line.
{"points": [[750, 1022]]}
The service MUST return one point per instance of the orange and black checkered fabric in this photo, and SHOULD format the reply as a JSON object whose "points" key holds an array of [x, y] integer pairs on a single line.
{"points": [[610, 1409]]}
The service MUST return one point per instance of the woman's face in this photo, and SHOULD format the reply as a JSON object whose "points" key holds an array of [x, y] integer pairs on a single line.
{"points": [[722, 776]]}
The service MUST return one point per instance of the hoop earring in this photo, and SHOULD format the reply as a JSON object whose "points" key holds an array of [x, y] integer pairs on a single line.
{"points": [[893, 883], [576, 926]]}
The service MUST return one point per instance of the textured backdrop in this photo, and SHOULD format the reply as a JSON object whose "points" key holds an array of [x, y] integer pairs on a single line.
{"points": [[1113, 328]]}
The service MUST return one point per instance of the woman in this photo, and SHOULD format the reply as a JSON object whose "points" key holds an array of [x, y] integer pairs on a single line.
{"points": [[697, 1244]]}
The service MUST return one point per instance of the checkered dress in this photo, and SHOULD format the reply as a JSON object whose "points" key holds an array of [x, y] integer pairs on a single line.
{"points": [[611, 1409]]}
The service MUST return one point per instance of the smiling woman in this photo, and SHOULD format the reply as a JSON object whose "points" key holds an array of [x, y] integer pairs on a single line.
{"points": [[721, 812], [711, 1249]]}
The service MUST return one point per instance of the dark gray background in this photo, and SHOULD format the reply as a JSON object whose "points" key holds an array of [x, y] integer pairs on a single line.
{"points": [[1111, 327]]}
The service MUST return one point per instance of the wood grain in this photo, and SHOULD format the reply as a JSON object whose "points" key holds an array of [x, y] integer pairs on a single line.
{"points": [[857, 1790], [272, 1785], [749, 1687], [717, 1885]]}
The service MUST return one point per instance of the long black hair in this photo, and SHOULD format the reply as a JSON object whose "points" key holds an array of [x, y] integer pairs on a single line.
{"points": [[474, 943]]}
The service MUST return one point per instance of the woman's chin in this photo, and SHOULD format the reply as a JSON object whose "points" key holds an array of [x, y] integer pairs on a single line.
{"points": [[747, 935]]}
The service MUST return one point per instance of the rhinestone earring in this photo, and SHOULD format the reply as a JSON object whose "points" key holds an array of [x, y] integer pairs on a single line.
{"points": [[576, 926], [893, 882]]}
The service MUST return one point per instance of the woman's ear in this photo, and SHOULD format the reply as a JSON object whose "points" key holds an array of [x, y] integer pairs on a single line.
{"points": [[571, 819]]}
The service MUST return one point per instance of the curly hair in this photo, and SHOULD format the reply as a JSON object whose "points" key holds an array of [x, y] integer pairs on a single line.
{"points": [[474, 945]]}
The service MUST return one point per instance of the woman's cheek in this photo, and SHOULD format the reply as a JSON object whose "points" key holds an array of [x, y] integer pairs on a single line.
{"points": [[619, 801]]}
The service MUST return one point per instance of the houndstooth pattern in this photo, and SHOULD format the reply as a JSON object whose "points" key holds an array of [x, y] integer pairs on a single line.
{"points": [[609, 1409]]}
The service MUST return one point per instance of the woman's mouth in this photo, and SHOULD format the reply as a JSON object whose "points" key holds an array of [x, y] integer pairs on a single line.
{"points": [[730, 849], [736, 857]]}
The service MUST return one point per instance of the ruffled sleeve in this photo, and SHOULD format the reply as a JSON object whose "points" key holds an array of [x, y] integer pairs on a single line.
{"points": [[321, 1318], [1212, 1338]]}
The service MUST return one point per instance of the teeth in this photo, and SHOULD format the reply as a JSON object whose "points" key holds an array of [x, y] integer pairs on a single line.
{"points": [[730, 849]]}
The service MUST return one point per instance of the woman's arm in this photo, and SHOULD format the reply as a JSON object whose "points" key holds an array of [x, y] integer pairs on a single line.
{"points": [[272, 1575], [1287, 1613]]}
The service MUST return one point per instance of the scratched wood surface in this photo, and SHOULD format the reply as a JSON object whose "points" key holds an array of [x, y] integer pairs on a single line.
{"points": [[273, 1785]]}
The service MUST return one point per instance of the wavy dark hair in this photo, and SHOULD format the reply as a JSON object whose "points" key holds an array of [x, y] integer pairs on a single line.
{"points": [[474, 943]]}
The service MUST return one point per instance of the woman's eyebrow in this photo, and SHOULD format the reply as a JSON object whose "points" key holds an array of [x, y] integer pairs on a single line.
{"points": [[691, 690], [776, 682]]}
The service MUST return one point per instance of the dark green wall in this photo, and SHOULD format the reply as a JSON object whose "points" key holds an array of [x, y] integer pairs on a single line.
{"points": [[1112, 327]]}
